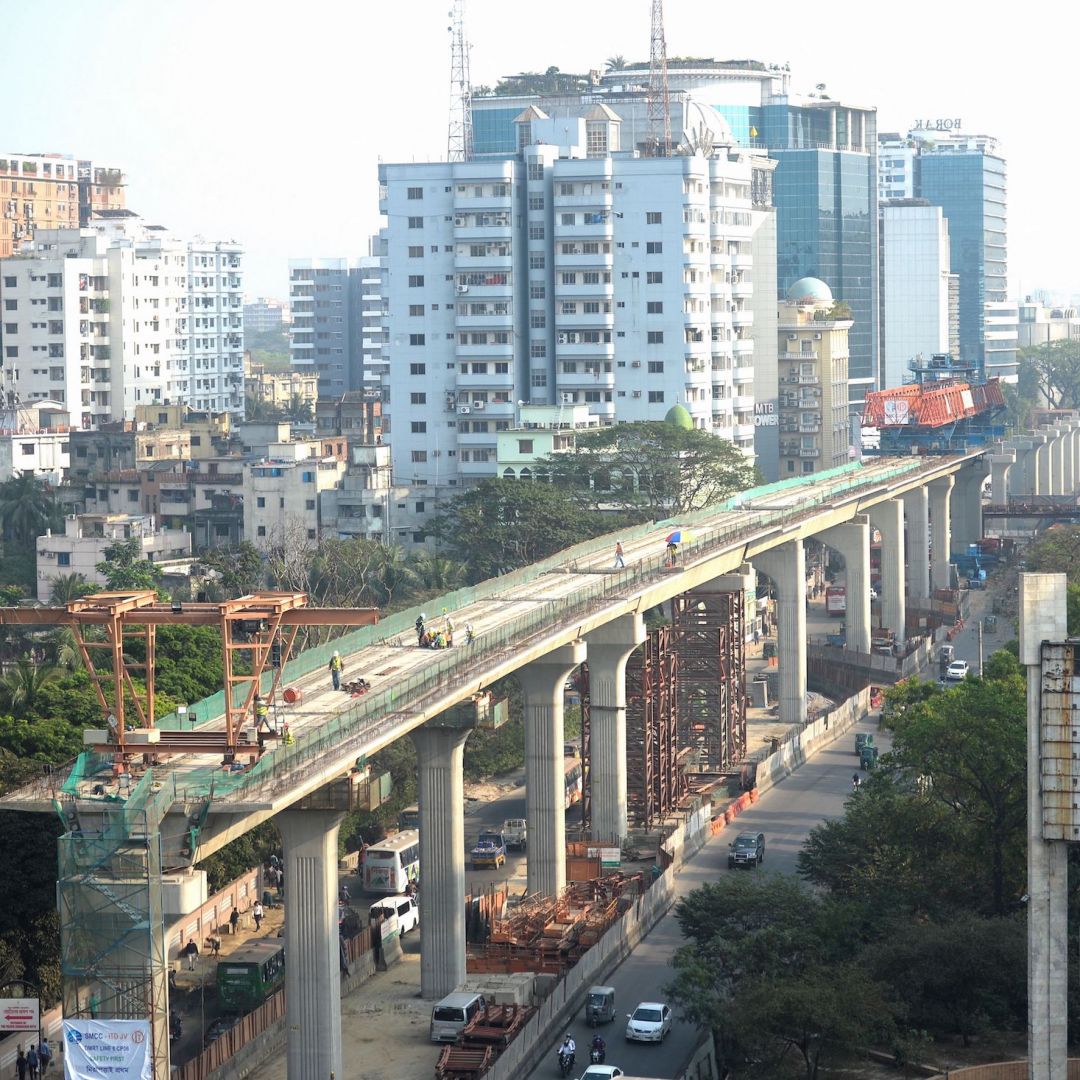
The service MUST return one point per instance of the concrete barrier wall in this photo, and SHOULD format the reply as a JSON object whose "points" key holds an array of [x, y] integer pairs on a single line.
{"points": [[1003, 1070], [214, 914]]}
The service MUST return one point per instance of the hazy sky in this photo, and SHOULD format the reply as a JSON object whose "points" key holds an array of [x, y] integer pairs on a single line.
{"points": [[264, 121]]}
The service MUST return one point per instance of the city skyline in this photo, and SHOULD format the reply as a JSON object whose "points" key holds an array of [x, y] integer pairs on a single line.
{"points": [[226, 141]]}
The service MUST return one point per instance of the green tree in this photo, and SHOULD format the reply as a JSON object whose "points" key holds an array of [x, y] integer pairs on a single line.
{"points": [[1054, 367], [21, 686], [500, 525], [430, 573], [124, 568], [240, 855], [653, 469], [237, 571], [1057, 551], [67, 587], [27, 508], [615, 63]]}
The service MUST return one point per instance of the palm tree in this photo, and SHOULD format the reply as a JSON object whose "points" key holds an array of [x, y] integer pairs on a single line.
{"points": [[68, 587], [430, 572], [615, 63], [27, 509], [392, 574], [20, 687]]}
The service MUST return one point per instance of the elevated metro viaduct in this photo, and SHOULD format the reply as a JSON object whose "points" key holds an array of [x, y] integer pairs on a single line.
{"points": [[538, 623]]}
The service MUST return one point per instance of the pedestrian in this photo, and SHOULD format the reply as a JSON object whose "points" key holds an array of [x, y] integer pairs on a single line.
{"points": [[20, 1064], [620, 562], [44, 1055], [191, 951], [234, 918], [419, 624], [280, 883], [672, 551], [32, 1063], [257, 915], [757, 635], [336, 667]]}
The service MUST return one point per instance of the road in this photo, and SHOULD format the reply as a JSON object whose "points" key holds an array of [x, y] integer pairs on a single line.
{"points": [[785, 814]]}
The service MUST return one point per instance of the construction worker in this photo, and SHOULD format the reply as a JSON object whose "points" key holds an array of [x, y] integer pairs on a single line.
{"points": [[262, 718], [286, 735], [336, 667]]}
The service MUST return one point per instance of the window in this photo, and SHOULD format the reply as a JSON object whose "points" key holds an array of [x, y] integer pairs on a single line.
{"points": [[419, 455], [655, 307], [416, 339], [536, 261], [418, 427], [419, 507], [11, 305], [537, 292], [416, 281], [9, 282], [536, 202], [566, 219], [261, 530], [656, 367], [537, 320], [417, 369], [536, 232], [653, 217], [537, 349], [260, 501], [656, 396], [415, 193], [416, 222], [654, 277], [418, 398], [133, 495], [525, 446], [655, 337], [566, 189], [11, 328], [63, 558], [416, 309], [654, 247], [311, 534], [416, 252]]}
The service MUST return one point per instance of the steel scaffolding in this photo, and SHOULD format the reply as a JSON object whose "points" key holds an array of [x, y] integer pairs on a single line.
{"points": [[654, 778], [708, 635]]}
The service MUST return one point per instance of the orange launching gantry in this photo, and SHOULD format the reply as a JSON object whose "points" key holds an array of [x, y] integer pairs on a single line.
{"points": [[263, 626]]}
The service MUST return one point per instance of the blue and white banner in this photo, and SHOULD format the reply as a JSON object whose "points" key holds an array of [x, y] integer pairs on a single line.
{"points": [[107, 1050]]}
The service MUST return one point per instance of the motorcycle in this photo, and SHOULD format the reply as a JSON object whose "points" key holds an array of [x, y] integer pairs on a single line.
{"points": [[566, 1063], [174, 1027], [596, 1056]]}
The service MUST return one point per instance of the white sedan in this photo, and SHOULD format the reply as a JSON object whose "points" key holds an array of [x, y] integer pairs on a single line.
{"points": [[957, 670], [649, 1022], [601, 1072]]}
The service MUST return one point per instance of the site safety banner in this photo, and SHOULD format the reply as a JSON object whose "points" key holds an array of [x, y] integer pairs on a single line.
{"points": [[112, 1049], [19, 1014]]}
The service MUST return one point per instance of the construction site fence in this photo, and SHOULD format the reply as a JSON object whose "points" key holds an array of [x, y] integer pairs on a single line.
{"points": [[212, 917], [375, 719]]}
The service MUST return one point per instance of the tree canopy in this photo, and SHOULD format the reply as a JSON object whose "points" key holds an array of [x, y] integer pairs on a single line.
{"points": [[123, 567], [653, 469], [1054, 368]]}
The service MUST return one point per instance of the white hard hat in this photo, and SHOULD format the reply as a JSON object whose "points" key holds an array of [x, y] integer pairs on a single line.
{"points": [[336, 653]]}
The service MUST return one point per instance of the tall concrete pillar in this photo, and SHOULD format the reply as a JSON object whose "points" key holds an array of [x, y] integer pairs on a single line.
{"points": [[440, 748], [542, 683], [1043, 618], [786, 566], [609, 648], [1040, 474], [917, 513], [966, 505], [313, 971], [1002, 464], [1047, 471], [852, 541], [940, 492], [1022, 478], [888, 518], [1068, 459]]}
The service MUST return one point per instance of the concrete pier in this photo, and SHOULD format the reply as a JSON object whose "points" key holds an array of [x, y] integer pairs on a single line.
{"points": [[786, 567], [917, 514], [852, 541], [888, 518], [940, 497]]}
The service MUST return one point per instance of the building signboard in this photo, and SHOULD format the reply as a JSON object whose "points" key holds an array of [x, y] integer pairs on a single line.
{"points": [[19, 1014], [937, 125], [118, 1049]]}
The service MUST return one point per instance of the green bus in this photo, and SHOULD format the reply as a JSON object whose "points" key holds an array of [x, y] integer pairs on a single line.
{"points": [[251, 974]]}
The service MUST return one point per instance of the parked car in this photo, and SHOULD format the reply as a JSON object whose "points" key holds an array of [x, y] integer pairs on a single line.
{"points": [[747, 849], [956, 671], [649, 1022]]}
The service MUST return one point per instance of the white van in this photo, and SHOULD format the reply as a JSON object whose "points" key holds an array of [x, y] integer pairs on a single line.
{"points": [[450, 1015], [405, 907]]}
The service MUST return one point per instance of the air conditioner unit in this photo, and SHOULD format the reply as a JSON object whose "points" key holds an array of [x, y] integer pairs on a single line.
{"points": [[464, 410], [817, 336], [561, 339], [478, 404], [568, 399], [790, 337], [462, 289], [637, 393], [635, 363]]}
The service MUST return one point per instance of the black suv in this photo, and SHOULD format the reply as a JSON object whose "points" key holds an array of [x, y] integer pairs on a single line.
{"points": [[748, 849]]}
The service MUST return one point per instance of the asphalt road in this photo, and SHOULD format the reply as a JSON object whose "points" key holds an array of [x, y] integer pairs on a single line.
{"points": [[785, 814]]}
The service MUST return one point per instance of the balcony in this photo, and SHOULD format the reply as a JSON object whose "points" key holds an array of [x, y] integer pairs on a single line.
{"points": [[481, 233], [742, 318], [486, 262], [490, 319], [743, 346], [742, 374], [742, 289], [484, 381], [810, 452], [605, 320], [597, 203], [594, 230], [742, 262], [604, 350], [743, 401], [467, 203], [578, 259]]}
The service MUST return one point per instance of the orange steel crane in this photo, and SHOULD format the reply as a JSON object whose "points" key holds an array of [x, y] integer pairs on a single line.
{"points": [[261, 627]]}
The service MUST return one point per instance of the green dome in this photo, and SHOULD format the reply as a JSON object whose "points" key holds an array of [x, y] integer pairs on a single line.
{"points": [[677, 416], [810, 290]]}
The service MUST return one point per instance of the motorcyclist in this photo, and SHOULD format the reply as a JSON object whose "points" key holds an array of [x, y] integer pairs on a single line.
{"points": [[598, 1050], [567, 1051], [855, 781]]}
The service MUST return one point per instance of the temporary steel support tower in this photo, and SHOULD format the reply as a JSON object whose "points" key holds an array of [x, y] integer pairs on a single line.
{"points": [[708, 636]]}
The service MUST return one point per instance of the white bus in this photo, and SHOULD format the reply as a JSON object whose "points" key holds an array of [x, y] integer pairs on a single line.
{"points": [[390, 865]]}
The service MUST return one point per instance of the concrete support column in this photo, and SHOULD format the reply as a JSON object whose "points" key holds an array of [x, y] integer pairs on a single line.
{"points": [[542, 682], [852, 541], [1022, 477], [1048, 478], [1002, 465], [966, 508], [609, 648], [1057, 462], [1042, 464], [439, 753], [940, 492], [1043, 618], [888, 518], [1068, 460], [916, 510], [786, 566], [313, 971]]}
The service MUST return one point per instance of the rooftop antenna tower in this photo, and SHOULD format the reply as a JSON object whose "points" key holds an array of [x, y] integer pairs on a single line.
{"points": [[459, 142], [659, 97]]}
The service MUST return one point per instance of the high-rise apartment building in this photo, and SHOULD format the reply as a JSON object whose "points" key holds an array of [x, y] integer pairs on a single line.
{"points": [[120, 315], [367, 295], [51, 191], [568, 273], [265, 315], [824, 187], [321, 333], [915, 281], [965, 176]]}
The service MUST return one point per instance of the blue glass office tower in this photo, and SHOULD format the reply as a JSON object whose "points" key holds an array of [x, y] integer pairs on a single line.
{"points": [[966, 178]]}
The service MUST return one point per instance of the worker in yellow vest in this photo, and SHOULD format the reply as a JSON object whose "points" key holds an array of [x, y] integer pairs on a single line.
{"points": [[336, 667]]}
